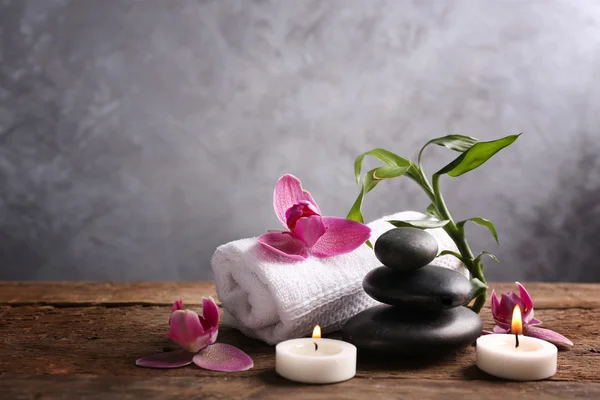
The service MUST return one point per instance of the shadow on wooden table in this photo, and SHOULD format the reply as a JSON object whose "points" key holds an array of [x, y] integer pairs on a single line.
{"points": [[455, 365]]}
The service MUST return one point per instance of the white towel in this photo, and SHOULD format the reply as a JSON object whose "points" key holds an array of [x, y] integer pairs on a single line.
{"points": [[273, 299]]}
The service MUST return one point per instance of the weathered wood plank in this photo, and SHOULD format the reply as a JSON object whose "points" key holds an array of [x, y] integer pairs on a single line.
{"points": [[269, 386], [546, 295], [104, 293], [107, 340]]}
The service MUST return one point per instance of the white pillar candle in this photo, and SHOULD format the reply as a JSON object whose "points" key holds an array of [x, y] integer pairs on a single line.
{"points": [[315, 360], [533, 360]]}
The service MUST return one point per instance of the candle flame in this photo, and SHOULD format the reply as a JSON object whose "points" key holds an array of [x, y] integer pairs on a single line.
{"points": [[517, 323], [317, 332]]}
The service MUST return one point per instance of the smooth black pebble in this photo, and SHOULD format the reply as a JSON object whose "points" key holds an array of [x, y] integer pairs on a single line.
{"points": [[427, 288], [406, 249], [389, 330]]}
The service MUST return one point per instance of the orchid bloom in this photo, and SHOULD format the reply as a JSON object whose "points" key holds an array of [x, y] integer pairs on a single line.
{"points": [[308, 232], [196, 335], [502, 311]]}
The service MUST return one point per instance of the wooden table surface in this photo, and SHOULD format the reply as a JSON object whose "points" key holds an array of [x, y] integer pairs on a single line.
{"points": [[80, 340]]}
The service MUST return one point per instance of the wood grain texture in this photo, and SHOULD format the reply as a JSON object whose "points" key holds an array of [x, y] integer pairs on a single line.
{"points": [[107, 341], [104, 293], [81, 340], [546, 295], [268, 385]]}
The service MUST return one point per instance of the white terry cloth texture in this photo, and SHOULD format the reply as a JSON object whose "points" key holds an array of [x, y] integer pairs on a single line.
{"points": [[272, 298]]}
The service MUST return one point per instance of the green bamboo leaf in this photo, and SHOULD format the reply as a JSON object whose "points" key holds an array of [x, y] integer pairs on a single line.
{"points": [[420, 224], [478, 287], [489, 225], [451, 253], [368, 184], [371, 179], [432, 210], [459, 143], [390, 171], [382, 155], [355, 214], [478, 154], [493, 257]]}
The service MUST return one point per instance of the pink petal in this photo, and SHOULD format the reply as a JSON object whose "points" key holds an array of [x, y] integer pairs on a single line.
{"points": [[507, 306], [197, 343], [309, 230], [294, 213], [527, 302], [525, 297], [284, 244], [170, 359], [185, 326], [547, 335], [503, 325], [223, 357], [210, 312], [494, 304], [178, 305], [516, 301], [534, 321], [342, 236], [288, 191], [498, 329], [201, 342]]}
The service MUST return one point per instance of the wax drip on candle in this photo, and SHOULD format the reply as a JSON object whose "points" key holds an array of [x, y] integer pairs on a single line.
{"points": [[516, 325]]}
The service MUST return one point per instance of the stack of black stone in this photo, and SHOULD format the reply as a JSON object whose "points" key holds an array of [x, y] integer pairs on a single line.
{"points": [[423, 314]]}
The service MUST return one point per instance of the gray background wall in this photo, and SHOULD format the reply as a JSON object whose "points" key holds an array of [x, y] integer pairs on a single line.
{"points": [[136, 136]]}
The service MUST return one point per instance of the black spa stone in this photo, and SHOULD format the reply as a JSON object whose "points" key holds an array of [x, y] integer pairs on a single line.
{"points": [[406, 249], [388, 330], [427, 288]]}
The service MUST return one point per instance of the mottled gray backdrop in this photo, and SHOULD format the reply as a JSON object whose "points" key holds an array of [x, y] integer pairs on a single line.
{"points": [[136, 136]]}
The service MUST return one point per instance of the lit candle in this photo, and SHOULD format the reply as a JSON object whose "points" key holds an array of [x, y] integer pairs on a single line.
{"points": [[315, 360], [517, 357]]}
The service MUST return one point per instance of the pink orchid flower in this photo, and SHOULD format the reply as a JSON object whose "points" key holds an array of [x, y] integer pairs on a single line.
{"points": [[502, 311], [308, 232], [196, 335]]}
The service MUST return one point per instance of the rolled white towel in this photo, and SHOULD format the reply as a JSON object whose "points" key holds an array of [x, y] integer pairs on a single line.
{"points": [[273, 299]]}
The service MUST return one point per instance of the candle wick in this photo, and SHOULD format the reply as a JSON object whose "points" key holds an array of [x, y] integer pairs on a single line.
{"points": [[517, 340], [316, 346]]}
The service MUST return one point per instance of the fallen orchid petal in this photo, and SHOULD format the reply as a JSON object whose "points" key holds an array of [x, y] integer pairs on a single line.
{"points": [[309, 230], [223, 357], [498, 329], [185, 325], [502, 309], [288, 192], [524, 295], [284, 244], [342, 236], [547, 335], [178, 305], [534, 321], [210, 313], [170, 359]]}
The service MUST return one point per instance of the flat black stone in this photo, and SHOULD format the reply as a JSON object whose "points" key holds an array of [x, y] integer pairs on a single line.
{"points": [[406, 249], [427, 288], [387, 330]]}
